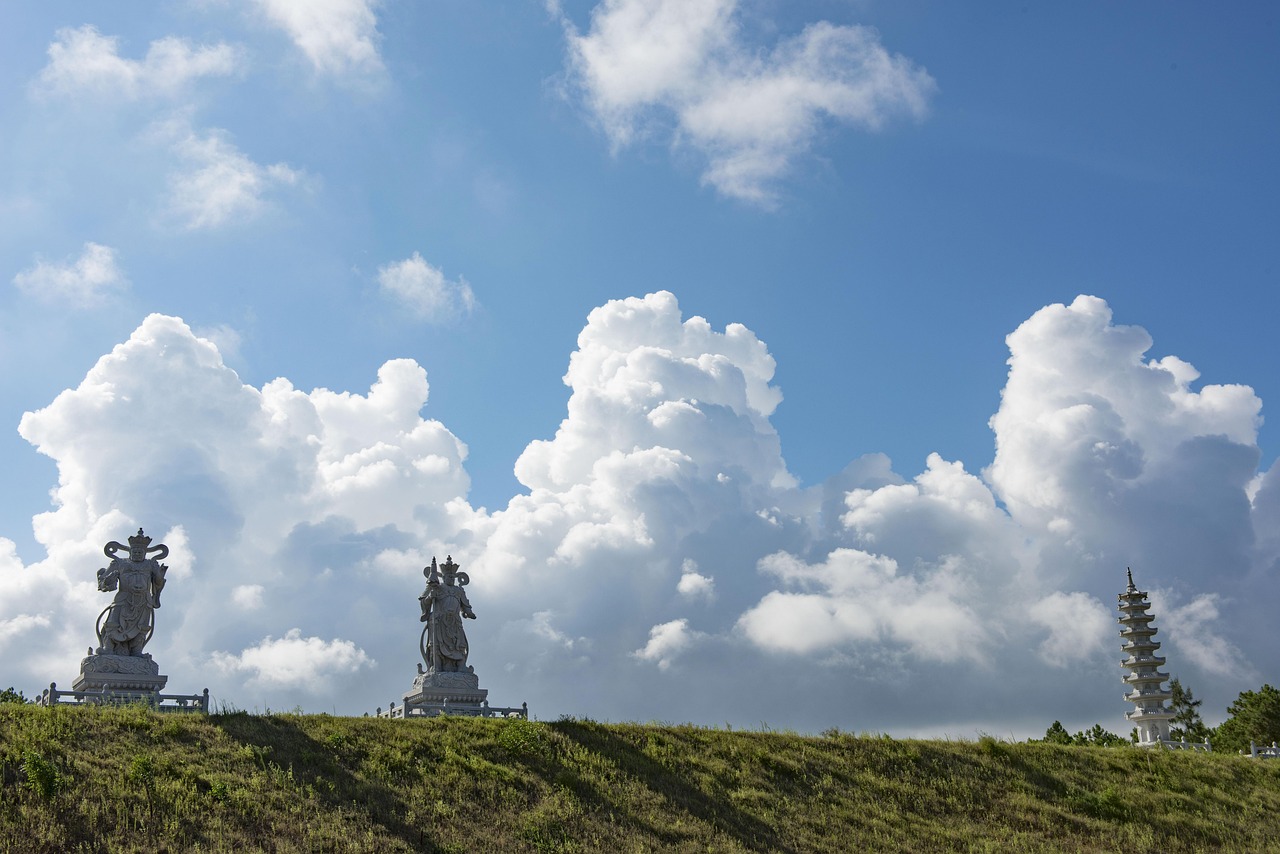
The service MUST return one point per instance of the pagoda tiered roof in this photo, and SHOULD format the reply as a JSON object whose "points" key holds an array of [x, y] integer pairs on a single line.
{"points": [[1144, 679]]}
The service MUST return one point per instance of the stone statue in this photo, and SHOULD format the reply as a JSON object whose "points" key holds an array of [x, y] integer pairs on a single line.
{"points": [[125, 626], [444, 646]]}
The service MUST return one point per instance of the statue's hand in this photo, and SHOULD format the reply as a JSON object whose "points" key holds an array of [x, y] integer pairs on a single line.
{"points": [[470, 615]]}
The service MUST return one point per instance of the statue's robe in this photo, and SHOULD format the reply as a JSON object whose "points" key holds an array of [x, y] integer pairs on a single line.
{"points": [[138, 584]]}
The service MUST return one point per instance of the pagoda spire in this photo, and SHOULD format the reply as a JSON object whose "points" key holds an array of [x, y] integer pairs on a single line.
{"points": [[1145, 679]]}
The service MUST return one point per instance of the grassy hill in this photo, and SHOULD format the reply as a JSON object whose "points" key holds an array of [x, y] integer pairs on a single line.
{"points": [[129, 779]]}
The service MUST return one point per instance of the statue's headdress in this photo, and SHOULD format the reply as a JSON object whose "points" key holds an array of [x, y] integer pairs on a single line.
{"points": [[450, 572], [139, 542]]}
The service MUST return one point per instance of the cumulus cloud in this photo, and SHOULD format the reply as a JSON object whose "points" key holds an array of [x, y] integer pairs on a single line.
{"points": [[749, 111], [80, 283], [82, 60], [295, 662], [939, 602], [694, 585], [217, 184], [861, 598], [247, 597], [1079, 628], [1194, 631], [286, 499], [666, 642], [424, 290], [337, 36]]}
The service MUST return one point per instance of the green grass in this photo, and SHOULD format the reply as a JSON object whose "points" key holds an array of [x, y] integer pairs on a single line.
{"points": [[75, 779]]}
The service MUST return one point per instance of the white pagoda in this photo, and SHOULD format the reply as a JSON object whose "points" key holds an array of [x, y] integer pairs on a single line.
{"points": [[1151, 716]]}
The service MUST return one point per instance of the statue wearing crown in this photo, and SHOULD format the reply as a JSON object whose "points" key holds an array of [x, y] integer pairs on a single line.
{"points": [[126, 625], [443, 607]]}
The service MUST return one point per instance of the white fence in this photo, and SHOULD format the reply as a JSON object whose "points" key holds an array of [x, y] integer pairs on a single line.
{"points": [[51, 696], [430, 710], [1264, 752], [1183, 744]]}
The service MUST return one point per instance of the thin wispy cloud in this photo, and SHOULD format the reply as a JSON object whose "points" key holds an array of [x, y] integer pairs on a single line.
{"points": [[83, 60], [425, 290], [82, 282], [215, 183]]}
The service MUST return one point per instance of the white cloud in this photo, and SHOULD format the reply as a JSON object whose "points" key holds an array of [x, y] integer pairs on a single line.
{"points": [[296, 662], [667, 642], [425, 290], [693, 585], [19, 626], [337, 36], [80, 283], [84, 60], [882, 601], [286, 499], [226, 338], [247, 597], [1195, 632], [1080, 627], [863, 599], [218, 184], [748, 110], [1083, 416]]}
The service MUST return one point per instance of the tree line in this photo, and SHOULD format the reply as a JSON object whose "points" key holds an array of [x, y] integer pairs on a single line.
{"points": [[1254, 716]]}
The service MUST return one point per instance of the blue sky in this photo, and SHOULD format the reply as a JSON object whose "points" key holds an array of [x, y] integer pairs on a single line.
{"points": [[462, 184]]}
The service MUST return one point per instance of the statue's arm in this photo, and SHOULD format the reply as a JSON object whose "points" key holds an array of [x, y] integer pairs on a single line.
{"points": [[157, 582], [108, 577], [466, 606]]}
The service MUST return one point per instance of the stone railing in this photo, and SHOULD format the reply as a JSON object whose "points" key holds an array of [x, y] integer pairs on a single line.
{"points": [[1264, 752], [1183, 744], [51, 696], [429, 710]]}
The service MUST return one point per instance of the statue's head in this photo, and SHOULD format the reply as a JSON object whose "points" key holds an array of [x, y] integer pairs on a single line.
{"points": [[450, 569], [138, 546]]}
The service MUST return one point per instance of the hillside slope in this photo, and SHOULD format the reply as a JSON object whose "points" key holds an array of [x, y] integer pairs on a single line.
{"points": [[130, 779]]}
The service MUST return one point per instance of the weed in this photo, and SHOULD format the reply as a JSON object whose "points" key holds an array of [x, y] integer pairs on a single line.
{"points": [[42, 776], [524, 738]]}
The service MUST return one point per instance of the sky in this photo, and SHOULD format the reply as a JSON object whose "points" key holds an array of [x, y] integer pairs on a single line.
{"points": [[811, 364]]}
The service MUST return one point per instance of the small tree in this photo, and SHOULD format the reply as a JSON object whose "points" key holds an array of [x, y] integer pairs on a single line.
{"points": [[1254, 716], [1186, 721], [8, 695], [1095, 736], [1099, 737]]}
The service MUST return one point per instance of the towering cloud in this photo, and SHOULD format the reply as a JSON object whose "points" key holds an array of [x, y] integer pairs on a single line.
{"points": [[662, 562]]}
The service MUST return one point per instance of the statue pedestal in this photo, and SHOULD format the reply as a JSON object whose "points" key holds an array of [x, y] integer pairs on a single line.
{"points": [[125, 676], [444, 692]]}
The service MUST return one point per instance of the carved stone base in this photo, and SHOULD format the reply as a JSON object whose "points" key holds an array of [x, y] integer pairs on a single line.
{"points": [[459, 690], [124, 674]]}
